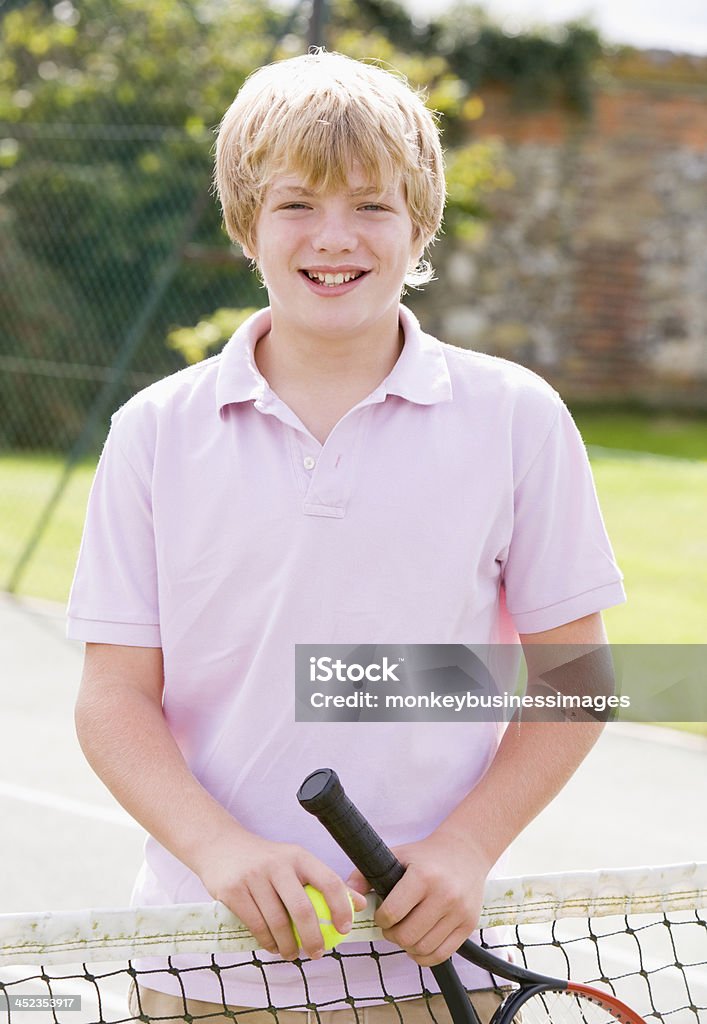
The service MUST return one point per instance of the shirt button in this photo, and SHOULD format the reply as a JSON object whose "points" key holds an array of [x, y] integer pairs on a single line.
{"points": [[309, 462]]}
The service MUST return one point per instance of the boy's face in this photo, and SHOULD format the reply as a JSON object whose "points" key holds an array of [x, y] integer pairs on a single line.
{"points": [[334, 263]]}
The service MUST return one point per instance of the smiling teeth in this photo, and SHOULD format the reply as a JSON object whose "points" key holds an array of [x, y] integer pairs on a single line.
{"points": [[332, 279]]}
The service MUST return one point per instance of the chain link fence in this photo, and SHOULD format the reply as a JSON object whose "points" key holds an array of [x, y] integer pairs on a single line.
{"points": [[100, 259], [109, 239]]}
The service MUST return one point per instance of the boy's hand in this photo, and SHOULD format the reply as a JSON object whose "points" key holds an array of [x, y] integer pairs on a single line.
{"points": [[437, 903], [263, 881]]}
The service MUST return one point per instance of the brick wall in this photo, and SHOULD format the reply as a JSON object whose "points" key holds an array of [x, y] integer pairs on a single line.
{"points": [[593, 267]]}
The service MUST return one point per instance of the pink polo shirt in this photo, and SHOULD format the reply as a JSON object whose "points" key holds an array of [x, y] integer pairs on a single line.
{"points": [[453, 505]]}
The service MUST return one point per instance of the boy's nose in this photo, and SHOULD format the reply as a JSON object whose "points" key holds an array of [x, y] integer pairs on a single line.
{"points": [[334, 233]]}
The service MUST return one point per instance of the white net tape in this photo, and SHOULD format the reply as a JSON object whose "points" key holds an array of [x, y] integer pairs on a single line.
{"points": [[118, 934]]}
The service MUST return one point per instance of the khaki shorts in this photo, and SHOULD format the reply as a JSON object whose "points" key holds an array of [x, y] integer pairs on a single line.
{"points": [[170, 1010]]}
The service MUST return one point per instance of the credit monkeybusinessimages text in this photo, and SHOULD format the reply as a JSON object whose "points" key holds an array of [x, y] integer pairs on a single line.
{"points": [[469, 701], [368, 682]]}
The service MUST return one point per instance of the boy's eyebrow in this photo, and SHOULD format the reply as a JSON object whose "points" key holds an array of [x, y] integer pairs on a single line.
{"points": [[366, 190], [297, 189]]}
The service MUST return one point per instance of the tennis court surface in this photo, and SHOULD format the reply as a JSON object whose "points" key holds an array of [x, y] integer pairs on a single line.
{"points": [[639, 800]]}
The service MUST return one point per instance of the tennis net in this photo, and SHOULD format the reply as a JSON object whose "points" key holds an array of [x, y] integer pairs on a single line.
{"points": [[640, 933]]}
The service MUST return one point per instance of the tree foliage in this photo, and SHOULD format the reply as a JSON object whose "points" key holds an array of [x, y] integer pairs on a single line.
{"points": [[108, 112], [538, 66]]}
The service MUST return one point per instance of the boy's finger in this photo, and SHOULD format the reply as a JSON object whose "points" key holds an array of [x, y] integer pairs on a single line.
{"points": [[249, 913], [400, 902], [359, 884], [359, 900], [421, 942], [442, 952], [304, 918], [336, 897], [277, 918]]}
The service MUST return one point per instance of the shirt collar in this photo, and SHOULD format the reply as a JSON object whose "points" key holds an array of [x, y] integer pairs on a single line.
{"points": [[420, 375]]}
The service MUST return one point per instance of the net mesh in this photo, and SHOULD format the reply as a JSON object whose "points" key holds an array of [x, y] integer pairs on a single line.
{"points": [[639, 934]]}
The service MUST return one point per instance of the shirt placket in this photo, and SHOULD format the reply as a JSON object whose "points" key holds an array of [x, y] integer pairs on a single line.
{"points": [[324, 474], [327, 472]]}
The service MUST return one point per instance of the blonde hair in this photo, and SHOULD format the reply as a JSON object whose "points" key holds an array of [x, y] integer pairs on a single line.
{"points": [[317, 115]]}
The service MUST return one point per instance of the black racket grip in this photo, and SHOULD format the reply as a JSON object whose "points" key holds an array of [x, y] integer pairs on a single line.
{"points": [[322, 795]]}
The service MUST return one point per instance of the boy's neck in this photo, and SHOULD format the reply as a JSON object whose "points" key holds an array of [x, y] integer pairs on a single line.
{"points": [[302, 360], [321, 379]]}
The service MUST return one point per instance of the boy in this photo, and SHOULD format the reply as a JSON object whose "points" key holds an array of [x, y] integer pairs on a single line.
{"points": [[337, 476]]}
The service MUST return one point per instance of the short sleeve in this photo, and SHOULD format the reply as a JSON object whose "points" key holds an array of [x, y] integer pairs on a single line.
{"points": [[559, 565], [114, 596]]}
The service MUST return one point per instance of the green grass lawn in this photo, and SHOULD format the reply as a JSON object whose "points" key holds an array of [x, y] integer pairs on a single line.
{"points": [[659, 433], [655, 514], [651, 475], [26, 482]]}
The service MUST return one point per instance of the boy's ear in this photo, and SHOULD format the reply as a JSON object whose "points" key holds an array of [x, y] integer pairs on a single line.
{"points": [[417, 248], [418, 252]]}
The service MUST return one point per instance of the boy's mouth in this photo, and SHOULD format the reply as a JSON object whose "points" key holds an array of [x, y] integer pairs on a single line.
{"points": [[333, 280]]}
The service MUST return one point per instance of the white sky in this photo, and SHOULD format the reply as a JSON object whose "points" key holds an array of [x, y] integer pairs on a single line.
{"points": [[664, 24]]}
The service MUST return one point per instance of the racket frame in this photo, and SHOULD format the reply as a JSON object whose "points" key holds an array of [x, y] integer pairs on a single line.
{"points": [[514, 1003]]}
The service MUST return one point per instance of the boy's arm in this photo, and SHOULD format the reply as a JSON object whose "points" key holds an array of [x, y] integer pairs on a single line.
{"points": [[437, 903], [124, 735]]}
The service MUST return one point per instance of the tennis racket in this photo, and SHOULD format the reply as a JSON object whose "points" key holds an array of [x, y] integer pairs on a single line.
{"points": [[537, 1000]]}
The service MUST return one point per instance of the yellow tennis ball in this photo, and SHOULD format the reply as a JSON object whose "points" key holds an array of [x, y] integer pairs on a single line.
{"points": [[329, 933]]}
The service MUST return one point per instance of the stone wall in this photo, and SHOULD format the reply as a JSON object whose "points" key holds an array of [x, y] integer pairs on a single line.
{"points": [[592, 268]]}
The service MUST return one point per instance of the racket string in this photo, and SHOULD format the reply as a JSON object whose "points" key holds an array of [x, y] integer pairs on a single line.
{"points": [[554, 1007]]}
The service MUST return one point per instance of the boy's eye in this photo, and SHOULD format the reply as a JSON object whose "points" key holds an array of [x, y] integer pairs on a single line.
{"points": [[294, 205]]}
